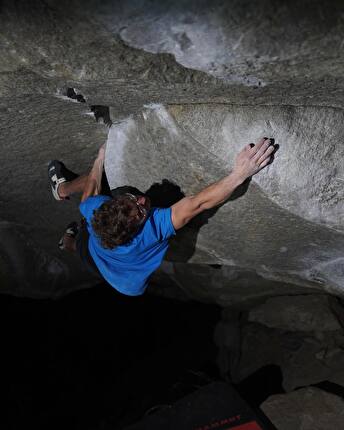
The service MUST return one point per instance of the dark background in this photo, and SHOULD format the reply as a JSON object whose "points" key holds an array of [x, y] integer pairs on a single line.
{"points": [[99, 359]]}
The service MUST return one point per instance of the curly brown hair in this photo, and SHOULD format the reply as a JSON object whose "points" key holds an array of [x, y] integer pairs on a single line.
{"points": [[117, 221]]}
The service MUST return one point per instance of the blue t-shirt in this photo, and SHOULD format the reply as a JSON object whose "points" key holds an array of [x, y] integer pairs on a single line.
{"points": [[128, 267]]}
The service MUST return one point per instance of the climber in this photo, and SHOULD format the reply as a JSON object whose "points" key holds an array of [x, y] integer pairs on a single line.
{"points": [[121, 237]]}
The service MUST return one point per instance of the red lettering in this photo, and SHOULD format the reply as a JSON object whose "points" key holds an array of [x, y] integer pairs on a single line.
{"points": [[229, 420], [253, 425]]}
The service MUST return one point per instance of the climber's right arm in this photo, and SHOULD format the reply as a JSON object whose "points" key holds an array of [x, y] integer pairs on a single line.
{"points": [[248, 162]]}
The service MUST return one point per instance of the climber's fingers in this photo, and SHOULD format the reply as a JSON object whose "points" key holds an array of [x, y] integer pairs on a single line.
{"points": [[265, 155], [265, 162], [255, 148], [260, 149]]}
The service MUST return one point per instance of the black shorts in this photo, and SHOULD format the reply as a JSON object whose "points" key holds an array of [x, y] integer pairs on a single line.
{"points": [[83, 235]]}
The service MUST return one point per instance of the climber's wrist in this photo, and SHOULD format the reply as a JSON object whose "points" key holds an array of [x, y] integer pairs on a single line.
{"points": [[237, 177]]}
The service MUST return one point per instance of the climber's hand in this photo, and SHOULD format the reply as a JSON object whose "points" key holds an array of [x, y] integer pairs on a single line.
{"points": [[253, 158]]}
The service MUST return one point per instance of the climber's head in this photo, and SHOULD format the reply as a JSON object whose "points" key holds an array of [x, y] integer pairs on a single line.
{"points": [[117, 221]]}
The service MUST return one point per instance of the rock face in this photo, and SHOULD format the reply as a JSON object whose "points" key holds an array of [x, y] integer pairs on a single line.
{"points": [[306, 409], [240, 41], [302, 313], [187, 85], [300, 334], [283, 227]]}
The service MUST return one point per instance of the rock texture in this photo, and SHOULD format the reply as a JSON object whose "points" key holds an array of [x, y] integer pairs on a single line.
{"points": [[240, 41], [306, 409], [302, 313], [284, 226], [300, 334], [187, 85], [44, 51]]}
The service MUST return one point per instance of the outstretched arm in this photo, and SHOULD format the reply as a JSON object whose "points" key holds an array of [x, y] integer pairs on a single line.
{"points": [[248, 162], [94, 179]]}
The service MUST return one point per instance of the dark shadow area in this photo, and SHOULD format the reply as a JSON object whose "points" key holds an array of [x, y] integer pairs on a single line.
{"points": [[276, 146], [241, 190], [99, 359], [216, 405], [74, 96], [216, 266], [164, 194], [263, 383], [102, 112]]}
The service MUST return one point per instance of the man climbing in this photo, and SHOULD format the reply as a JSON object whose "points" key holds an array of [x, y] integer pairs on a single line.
{"points": [[121, 237]]}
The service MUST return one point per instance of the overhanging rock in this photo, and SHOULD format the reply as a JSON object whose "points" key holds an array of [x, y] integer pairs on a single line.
{"points": [[287, 226], [280, 66]]}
